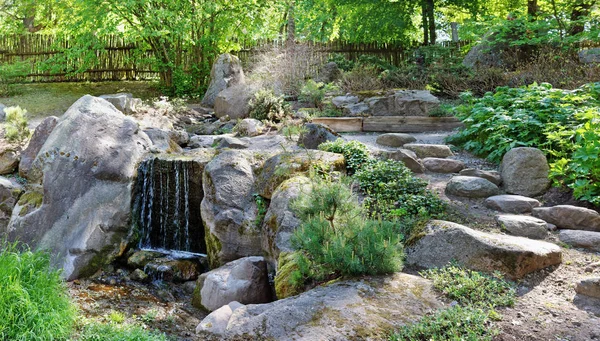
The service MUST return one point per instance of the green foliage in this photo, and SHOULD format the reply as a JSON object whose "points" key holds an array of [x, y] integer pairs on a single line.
{"points": [[11, 74], [472, 288], [118, 332], [314, 92], [342, 62], [16, 127], [34, 302], [393, 192], [266, 106], [561, 123], [335, 240], [454, 324], [355, 153], [261, 205]]}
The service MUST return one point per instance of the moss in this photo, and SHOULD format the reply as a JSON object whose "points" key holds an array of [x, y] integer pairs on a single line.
{"points": [[286, 266], [29, 202], [213, 248]]}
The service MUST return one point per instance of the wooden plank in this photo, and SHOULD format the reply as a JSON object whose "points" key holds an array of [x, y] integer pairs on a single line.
{"points": [[341, 124], [410, 124]]}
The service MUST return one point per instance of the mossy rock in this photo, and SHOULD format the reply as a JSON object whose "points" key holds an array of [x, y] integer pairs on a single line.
{"points": [[284, 287], [213, 248], [29, 202]]}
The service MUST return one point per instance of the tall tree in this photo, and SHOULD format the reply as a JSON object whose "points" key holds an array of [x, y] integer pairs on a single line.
{"points": [[580, 10]]}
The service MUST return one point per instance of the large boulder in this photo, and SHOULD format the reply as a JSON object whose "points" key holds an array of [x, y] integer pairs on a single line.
{"points": [[429, 150], [524, 172], [216, 322], [581, 239], [330, 72], [470, 187], [283, 166], [250, 127], [226, 72], [403, 103], [229, 210], [40, 135], [515, 257], [507, 203], [314, 134], [234, 101], [590, 56], [569, 217], [439, 165], [365, 309], [9, 158], [280, 221], [523, 226], [395, 139], [10, 191], [245, 280], [81, 210], [408, 157], [162, 141]]}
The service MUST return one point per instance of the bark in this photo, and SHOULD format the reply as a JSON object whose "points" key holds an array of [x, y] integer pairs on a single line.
{"points": [[581, 9], [291, 26], [532, 9], [425, 24], [431, 19]]}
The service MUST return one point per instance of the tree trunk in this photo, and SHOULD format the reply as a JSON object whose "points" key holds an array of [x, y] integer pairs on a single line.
{"points": [[581, 9], [431, 15], [291, 26], [532, 9], [425, 24]]}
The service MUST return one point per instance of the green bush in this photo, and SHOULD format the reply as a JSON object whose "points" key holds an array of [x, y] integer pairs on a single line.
{"points": [[562, 123], [454, 324], [472, 288], [118, 332], [34, 302], [314, 92], [16, 127], [335, 240], [266, 106], [393, 192], [355, 153], [11, 74]]}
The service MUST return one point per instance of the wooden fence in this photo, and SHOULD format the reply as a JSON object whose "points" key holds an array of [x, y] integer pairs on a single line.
{"points": [[116, 59]]}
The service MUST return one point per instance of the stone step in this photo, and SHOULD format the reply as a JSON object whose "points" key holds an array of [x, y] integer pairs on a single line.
{"points": [[470, 187], [508, 203], [569, 217], [581, 239], [439, 165], [429, 150], [523, 226]]}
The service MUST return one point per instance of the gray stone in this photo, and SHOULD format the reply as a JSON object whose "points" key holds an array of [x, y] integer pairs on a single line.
{"points": [[283, 166], [408, 157], [40, 135], [281, 222], [180, 137], [231, 143], [2, 113], [590, 56], [201, 141], [524, 172], [10, 191], [139, 275], [581, 239], [234, 101], [515, 257], [365, 309], [226, 72], [523, 226], [9, 159], [429, 150], [250, 127], [471, 187], [173, 270], [358, 109], [344, 101], [314, 134], [124, 102], [162, 141], [395, 139], [245, 280], [216, 322], [507, 203], [141, 258], [403, 103], [589, 287], [569, 217], [86, 172], [491, 176], [329, 73], [438, 165], [229, 209]]}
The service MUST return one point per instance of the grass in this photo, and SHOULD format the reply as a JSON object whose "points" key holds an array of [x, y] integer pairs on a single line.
{"points": [[47, 99], [95, 331], [34, 302]]}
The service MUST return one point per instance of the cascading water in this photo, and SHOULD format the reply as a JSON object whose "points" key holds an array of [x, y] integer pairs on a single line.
{"points": [[167, 205]]}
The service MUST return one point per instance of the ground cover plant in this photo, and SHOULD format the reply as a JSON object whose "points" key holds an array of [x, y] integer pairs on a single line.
{"points": [[562, 123]]}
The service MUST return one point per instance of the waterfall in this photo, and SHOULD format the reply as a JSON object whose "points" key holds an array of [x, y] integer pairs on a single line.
{"points": [[166, 208]]}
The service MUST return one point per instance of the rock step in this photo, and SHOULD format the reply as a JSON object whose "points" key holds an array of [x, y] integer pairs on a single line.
{"points": [[589, 287], [470, 187], [515, 257], [408, 157], [507, 203], [491, 176], [523, 226], [581, 239], [429, 150], [439, 165], [395, 139], [569, 217]]}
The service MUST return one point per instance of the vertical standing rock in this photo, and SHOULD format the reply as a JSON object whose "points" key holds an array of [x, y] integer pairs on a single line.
{"points": [[226, 72], [525, 172], [35, 144]]}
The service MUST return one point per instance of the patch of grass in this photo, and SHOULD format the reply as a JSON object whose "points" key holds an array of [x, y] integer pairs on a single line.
{"points": [[47, 99], [34, 302], [116, 317], [111, 332], [454, 324], [472, 288]]}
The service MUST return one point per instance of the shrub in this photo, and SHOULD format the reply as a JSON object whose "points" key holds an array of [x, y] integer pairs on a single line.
{"points": [[314, 92], [16, 127], [355, 153], [472, 288], [363, 78], [114, 332], [393, 192], [34, 302], [11, 74], [454, 324], [334, 240], [266, 106]]}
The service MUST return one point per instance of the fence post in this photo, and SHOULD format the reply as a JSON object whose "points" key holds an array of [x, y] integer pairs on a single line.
{"points": [[454, 26]]}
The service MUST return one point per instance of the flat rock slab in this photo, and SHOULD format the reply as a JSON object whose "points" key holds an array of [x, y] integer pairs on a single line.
{"points": [[569, 217], [409, 158], [523, 226], [491, 176], [429, 150], [395, 139], [439, 165], [589, 287], [350, 310], [470, 187], [507, 203], [581, 239], [515, 257]]}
